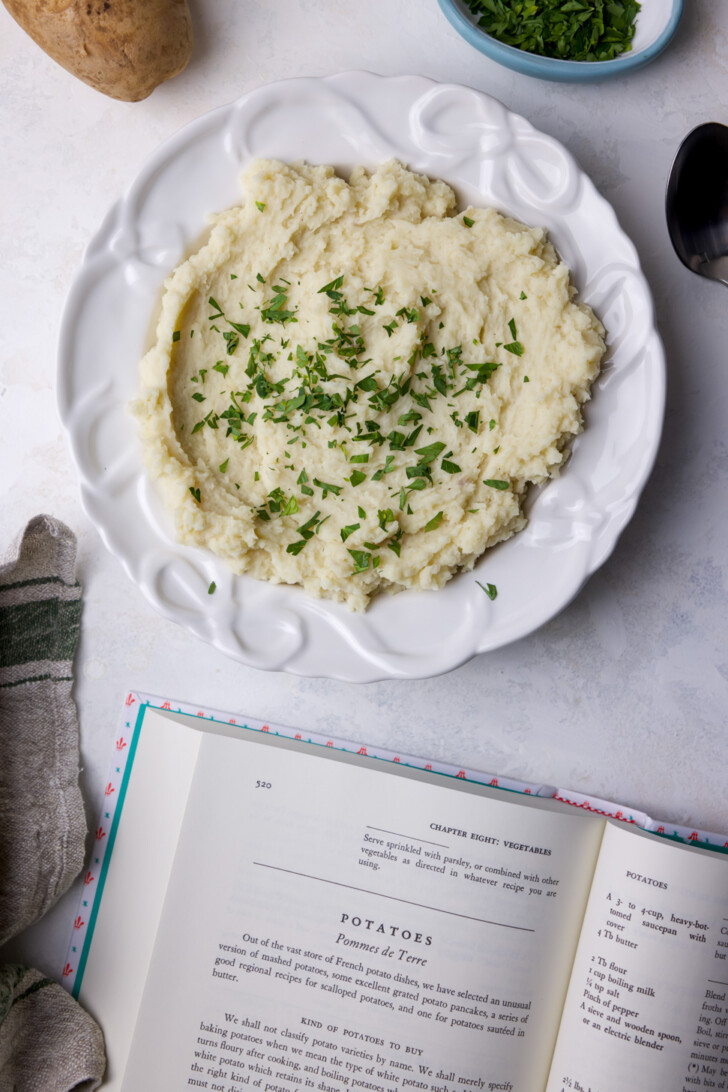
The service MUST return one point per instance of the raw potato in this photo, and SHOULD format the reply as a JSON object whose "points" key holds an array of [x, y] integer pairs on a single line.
{"points": [[124, 48]]}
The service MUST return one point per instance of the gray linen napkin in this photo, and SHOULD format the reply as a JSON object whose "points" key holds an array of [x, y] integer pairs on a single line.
{"points": [[47, 1042]]}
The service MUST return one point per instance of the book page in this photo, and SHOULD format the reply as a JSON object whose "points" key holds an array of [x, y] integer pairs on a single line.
{"points": [[331, 925], [647, 1005], [143, 850]]}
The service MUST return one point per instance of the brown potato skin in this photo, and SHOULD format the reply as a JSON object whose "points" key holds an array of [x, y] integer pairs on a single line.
{"points": [[123, 48]]}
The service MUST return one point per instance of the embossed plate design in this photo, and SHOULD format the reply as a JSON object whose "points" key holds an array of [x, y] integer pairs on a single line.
{"points": [[491, 157]]}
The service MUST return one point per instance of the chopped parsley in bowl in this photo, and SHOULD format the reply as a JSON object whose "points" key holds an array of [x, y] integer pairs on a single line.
{"points": [[572, 30], [567, 40]]}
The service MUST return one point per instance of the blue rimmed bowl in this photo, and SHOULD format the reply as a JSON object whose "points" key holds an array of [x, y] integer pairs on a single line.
{"points": [[655, 26]]}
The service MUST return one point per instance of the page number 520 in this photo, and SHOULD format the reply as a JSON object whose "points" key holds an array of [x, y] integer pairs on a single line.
{"points": [[262, 784]]}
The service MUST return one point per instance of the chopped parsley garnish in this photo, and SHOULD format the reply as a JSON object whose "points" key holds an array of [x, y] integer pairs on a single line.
{"points": [[386, 469], [232, 339], [307, 530], [472, 420], [241, 327], [434, 522], [355, 404], [349, 530], [468, 222], [361, 559], [211, 589], [429, 454], [490, 589], [302, 480], [276, 309], [326, 488], [260, 205], [394, 543], [368, 383], [296, 547], [332, 288]]}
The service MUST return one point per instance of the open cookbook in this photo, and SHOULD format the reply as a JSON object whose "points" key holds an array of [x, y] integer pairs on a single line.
{"points": [[280, 911]]}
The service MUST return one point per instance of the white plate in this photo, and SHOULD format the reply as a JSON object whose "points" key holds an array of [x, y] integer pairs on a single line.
{"points": [[491, 157]]}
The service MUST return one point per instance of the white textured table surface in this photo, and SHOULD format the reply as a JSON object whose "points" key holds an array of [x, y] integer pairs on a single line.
{"points": [[625, 693]]}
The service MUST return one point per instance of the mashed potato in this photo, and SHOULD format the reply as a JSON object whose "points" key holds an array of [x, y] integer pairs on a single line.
{"points": [[353, 385]]}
